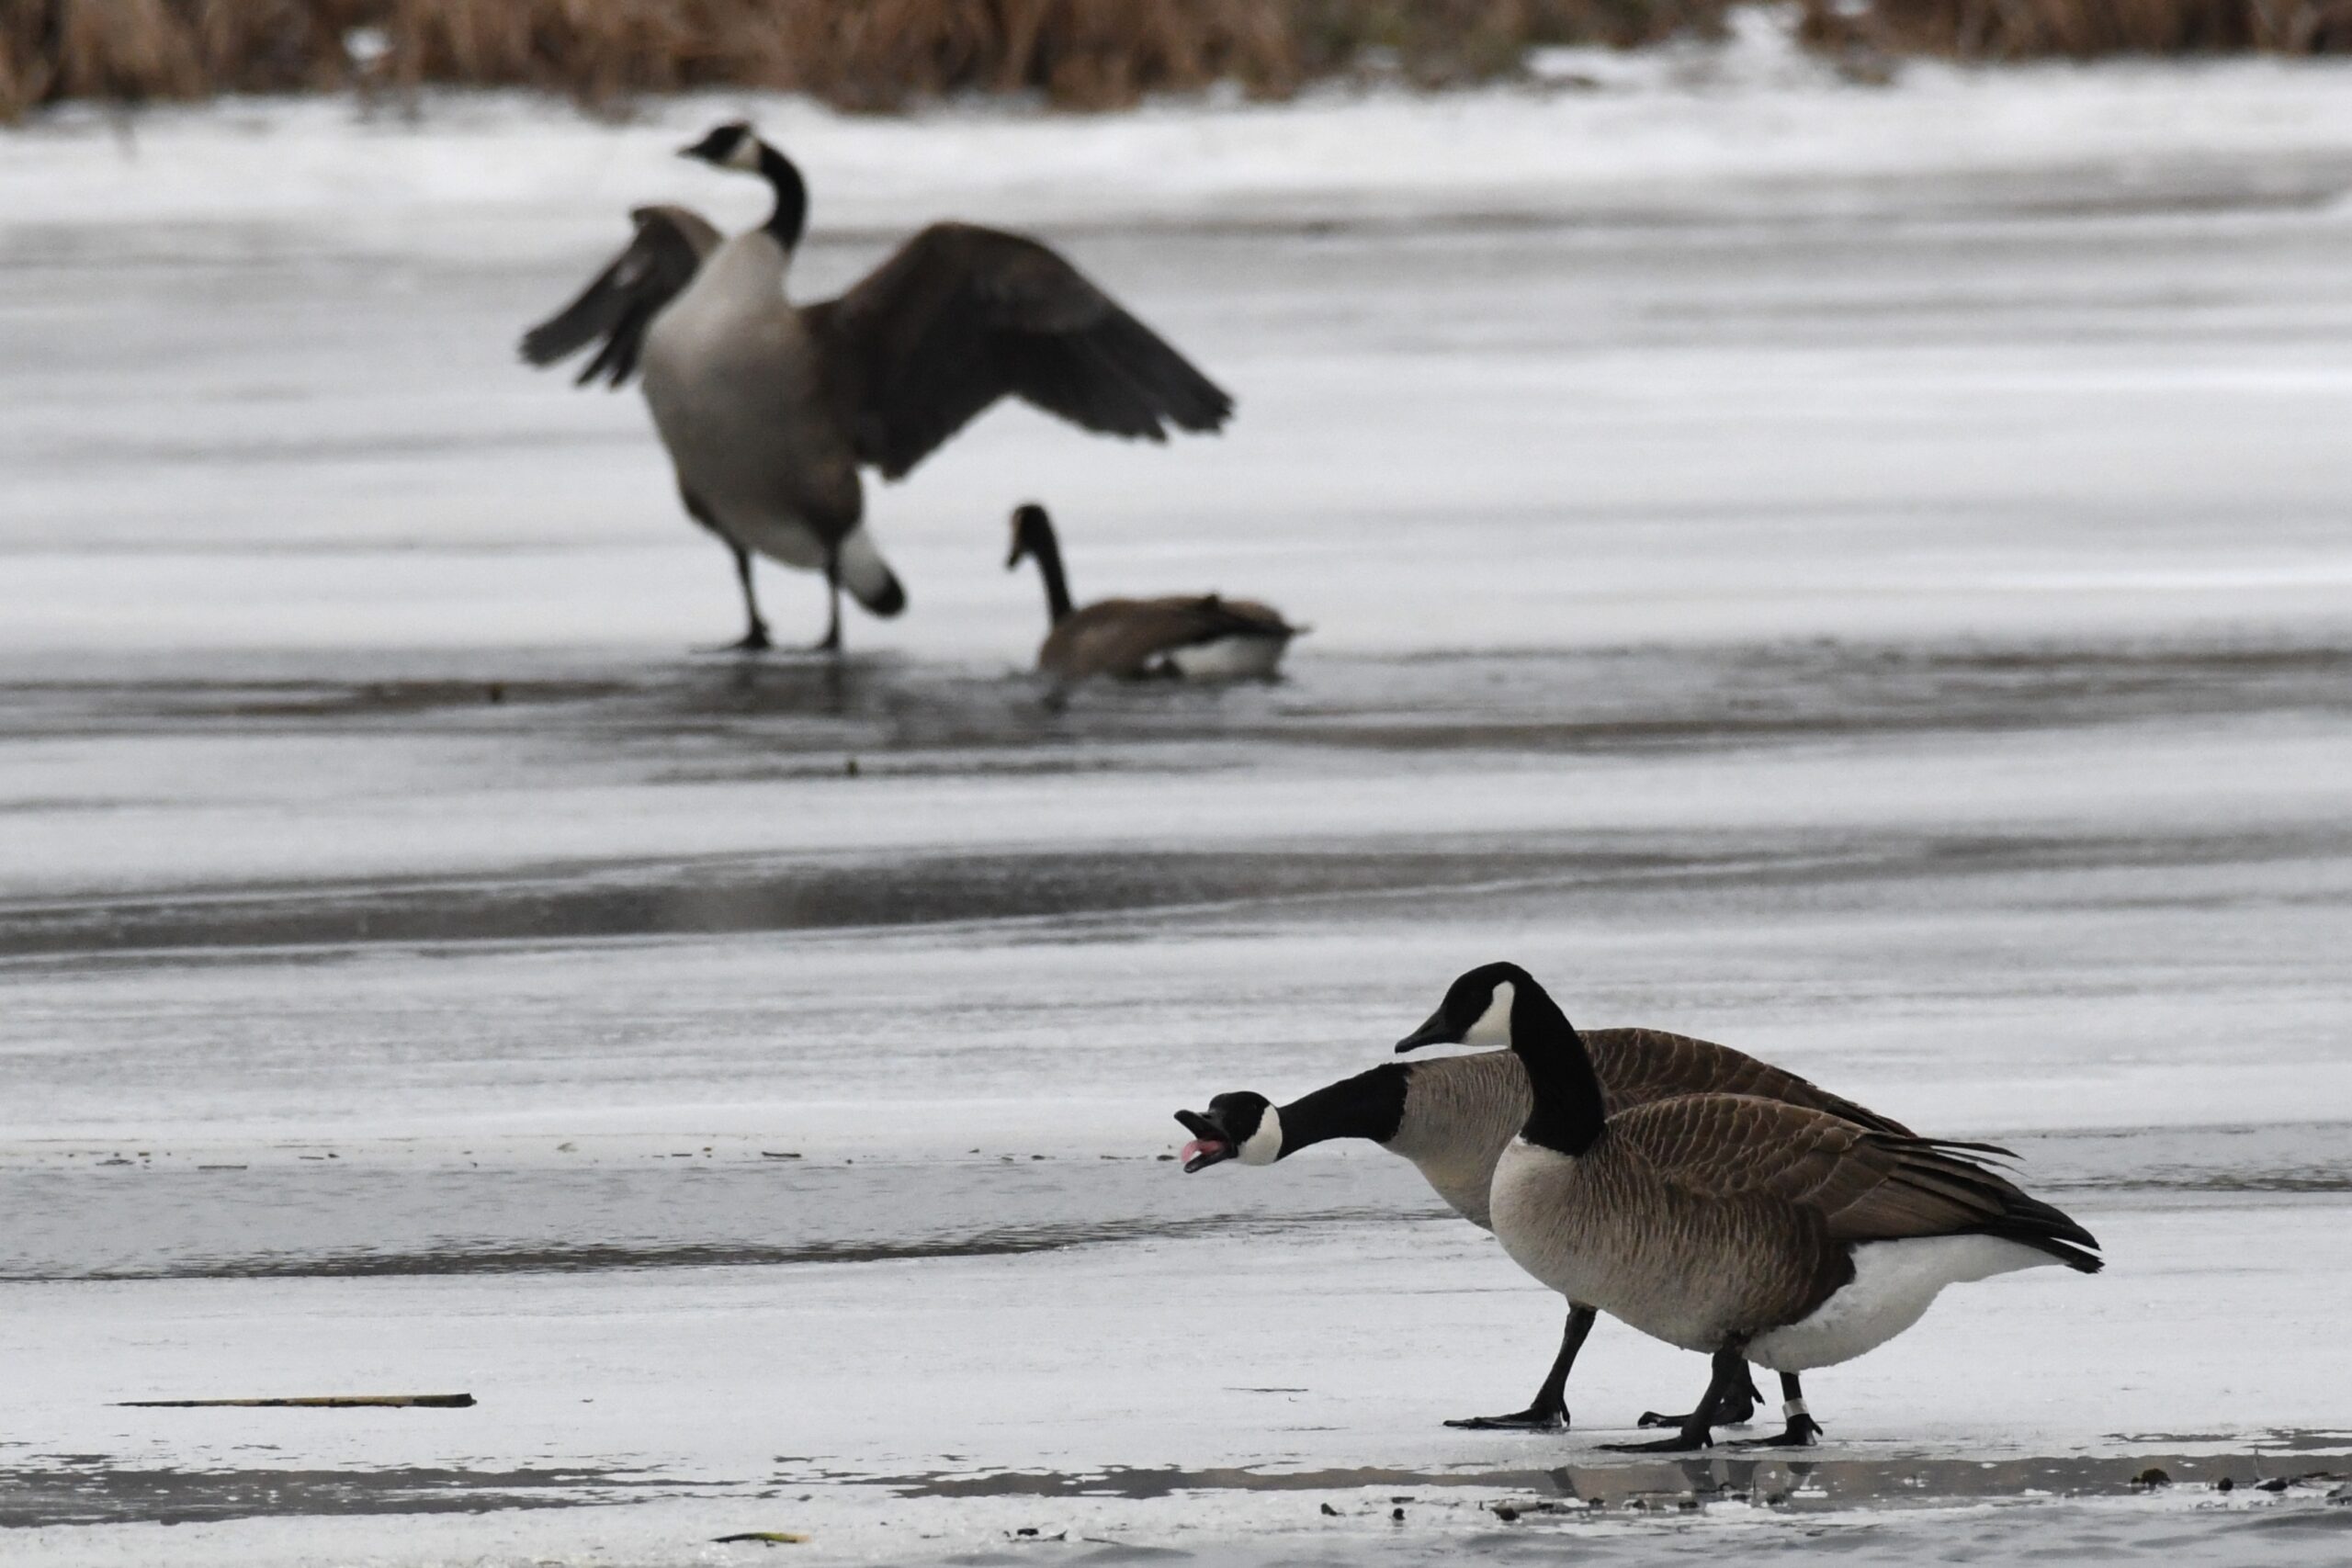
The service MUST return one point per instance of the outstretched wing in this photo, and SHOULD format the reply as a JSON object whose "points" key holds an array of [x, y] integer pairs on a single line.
{"points": [[670, 244], [962, 316], [1867, 1185]]}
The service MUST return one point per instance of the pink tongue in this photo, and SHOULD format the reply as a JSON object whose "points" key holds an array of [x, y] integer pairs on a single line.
{"points": [[1201, 1146]]}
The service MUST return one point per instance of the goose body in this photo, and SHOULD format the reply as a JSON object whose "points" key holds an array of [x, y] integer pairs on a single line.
{"points": [[770, 409], [1199, 637], [1454, 1116], [1751, 1229], [731, 378], [1714, 1218]]}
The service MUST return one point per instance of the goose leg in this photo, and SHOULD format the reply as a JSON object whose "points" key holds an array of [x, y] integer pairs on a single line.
{"points": [[832, 641], [1801, 1428], [1730, 1372], [1738, 1408], [755, 639], [1548, 1411]]}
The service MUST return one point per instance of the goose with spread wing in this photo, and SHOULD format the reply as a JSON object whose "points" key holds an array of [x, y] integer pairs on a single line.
{"points": [[770, 409]]}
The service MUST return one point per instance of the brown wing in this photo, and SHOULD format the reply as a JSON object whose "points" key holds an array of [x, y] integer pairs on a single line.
{"points": [[1638, 1066], [962, 316], [1122, 636], [623, 300], [1865, 1186]]}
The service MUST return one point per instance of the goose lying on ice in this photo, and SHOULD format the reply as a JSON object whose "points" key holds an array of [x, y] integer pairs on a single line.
{"points": [[1202, 637]]}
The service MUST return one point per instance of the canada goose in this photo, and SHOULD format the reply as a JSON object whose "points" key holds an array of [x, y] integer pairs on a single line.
{"points": [[769, 408], [1454, 1116], [1748, 1228], [1202, 637]]}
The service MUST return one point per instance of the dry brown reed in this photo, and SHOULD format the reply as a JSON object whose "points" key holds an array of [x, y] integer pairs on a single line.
{"points": [[2081, 29], [880, 54], [858, 54]]}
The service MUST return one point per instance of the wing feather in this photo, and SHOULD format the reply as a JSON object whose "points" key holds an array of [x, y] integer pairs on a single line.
{"points": [[1642, 1065], [1124, 637], [621, 301], [1866, 1185], [961, 316]]}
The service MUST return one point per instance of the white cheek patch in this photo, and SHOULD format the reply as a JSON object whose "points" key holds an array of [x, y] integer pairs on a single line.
{"points": [[1493, 1027], [1265, 1146], [746, 156]]}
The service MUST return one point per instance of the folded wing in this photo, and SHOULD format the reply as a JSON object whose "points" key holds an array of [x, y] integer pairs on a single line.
{"points": [[1638, 1066], [1126, 636], [1866, 1185]]}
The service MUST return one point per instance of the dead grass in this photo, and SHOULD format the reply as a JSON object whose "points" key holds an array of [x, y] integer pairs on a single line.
{"points": [[858, 54], [2082, 29], [880, 54]]}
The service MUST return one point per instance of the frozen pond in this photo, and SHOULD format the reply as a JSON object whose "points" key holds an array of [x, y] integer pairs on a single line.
{"points": [[1895, 623]]}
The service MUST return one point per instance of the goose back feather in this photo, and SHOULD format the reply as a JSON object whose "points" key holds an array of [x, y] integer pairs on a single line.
{"points": [[1461, 1112], [1133, 637]]}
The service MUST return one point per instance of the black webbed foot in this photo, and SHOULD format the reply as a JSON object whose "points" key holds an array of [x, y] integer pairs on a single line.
{"points": [[1684, 1441], [1728, 1387], [1799, 1434], [1736, 1412], [753, 641], [1534, 1418]]}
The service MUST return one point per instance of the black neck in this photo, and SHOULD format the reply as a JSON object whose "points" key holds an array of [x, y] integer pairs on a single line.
{"points": [[1048, 551], [1568, 1116], [791, 214], [1369, 1105]]}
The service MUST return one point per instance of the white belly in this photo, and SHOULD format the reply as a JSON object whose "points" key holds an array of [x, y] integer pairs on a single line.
{"points": [[728, 375], [1229, 658], [774, 535], [1894, 1284]]}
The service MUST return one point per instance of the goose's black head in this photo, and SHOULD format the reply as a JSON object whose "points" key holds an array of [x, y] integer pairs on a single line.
{"points": [[734, 146], [1241, 1126], [1033, 534], [1476, 1009]]}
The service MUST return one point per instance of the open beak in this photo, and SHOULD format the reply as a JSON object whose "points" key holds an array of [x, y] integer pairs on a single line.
{"points": [[1435, 1032], [1209, 1146]]}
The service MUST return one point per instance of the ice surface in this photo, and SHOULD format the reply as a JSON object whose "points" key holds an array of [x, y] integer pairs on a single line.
{"points": [[1858, 574]]}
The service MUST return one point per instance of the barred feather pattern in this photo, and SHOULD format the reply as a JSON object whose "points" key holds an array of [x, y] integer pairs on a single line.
{"points": [[1461, 1112], [1707, 1219]]}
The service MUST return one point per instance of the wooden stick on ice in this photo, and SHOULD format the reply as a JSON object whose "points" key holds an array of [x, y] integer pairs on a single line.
{"points": [[318, 1402]]}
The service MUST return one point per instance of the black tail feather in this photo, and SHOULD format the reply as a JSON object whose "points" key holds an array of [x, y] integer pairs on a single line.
{"points": [[1944, 1167]]}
